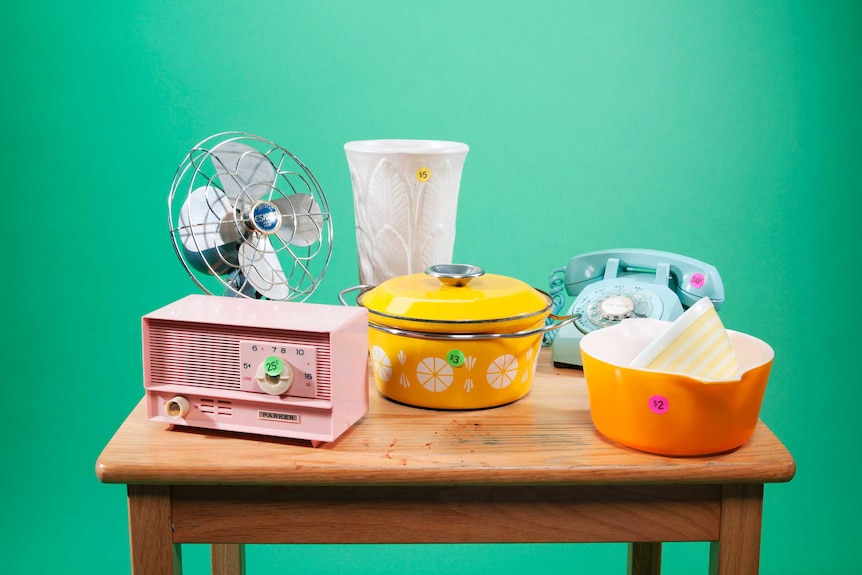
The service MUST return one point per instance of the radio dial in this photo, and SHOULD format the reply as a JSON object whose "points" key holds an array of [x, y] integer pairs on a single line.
{"points": [[274, 375]]}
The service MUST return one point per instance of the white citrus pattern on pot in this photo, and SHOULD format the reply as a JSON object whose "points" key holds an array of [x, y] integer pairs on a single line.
{"points": [[469, 363], [402, 359], [502, 371], [381, 363], [530, 368], [435, 374]]}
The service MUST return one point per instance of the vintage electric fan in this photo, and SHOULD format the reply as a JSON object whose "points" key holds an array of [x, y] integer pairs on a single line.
{"points": [[248, 219]]}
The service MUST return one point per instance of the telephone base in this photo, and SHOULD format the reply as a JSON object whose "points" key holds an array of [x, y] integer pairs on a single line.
{"points": [[566, 348], [561, 365]]}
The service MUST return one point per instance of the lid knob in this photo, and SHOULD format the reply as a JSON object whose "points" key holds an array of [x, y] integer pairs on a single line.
{"points": [[455, 275]]}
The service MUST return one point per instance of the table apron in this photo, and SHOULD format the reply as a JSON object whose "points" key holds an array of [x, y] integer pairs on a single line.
{"points": [[451, 514]]}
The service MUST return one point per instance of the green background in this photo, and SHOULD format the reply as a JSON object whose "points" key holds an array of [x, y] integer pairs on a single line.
{"points": [[726, 131]]}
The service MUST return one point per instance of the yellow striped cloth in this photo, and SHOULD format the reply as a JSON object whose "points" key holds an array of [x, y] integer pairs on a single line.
{"points": [[696, 344], [703, 351]]}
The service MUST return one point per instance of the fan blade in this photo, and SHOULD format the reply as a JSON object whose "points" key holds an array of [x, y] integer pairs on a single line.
{"points": [[259, 264], [231, 229], [301, 220], [239, 286], [202, 226], [243, 171]]}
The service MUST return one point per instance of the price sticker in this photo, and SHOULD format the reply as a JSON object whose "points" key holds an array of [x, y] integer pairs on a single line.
{"points": [[423, 174], [658, 404], [455, 358], [697, 280], [273, 366]]}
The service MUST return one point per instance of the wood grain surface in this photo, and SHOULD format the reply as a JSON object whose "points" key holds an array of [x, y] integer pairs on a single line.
{"points": [[545, 438], [428, 514]]}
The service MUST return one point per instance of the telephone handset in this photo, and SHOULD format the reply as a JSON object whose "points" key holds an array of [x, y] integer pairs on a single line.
{"points": [[612, 285]]}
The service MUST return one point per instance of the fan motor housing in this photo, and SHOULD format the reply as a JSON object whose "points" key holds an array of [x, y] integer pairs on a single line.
{"points": [[286, 369]]}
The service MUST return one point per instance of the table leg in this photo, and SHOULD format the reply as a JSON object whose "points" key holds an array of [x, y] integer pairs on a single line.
{"points": [[644, 559], [150, 531], [737, 552], [227, 559]]}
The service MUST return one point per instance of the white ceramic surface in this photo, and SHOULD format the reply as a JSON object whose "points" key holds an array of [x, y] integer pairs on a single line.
{"points": [[405, 197]]}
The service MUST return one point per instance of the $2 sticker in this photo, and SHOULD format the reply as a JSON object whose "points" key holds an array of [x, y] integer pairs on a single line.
{"points": [[658, 404]]}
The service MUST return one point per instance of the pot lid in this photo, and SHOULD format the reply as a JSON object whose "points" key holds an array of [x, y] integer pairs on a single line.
{"points": [[455, 293]]}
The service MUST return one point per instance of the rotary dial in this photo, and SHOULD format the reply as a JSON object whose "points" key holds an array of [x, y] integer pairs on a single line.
{"points": [[608, 306]]}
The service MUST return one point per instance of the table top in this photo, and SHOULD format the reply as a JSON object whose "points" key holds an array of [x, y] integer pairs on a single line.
{"points": [[545, 438]]}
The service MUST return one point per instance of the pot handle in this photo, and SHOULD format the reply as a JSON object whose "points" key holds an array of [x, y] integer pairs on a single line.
{"points": [[562, 320], [361, 288]]}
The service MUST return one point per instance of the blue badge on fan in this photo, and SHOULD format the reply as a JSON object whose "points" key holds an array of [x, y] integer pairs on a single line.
{"points": [[266, 217]]}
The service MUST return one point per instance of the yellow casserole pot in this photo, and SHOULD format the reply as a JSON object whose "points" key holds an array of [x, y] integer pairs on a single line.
{"points": [[455, 337]]}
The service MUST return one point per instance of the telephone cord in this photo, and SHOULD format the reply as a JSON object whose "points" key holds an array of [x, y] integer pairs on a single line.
{"points": [[556, 282]]}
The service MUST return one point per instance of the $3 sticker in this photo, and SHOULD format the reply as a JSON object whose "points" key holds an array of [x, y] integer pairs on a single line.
{"points": [[455, 358]]}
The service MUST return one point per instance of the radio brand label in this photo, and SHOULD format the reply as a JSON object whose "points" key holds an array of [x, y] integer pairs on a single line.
{"points": [[278, 416]]}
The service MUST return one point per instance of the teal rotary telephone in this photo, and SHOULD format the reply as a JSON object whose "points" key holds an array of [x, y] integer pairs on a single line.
{"points": [[612, 285]]}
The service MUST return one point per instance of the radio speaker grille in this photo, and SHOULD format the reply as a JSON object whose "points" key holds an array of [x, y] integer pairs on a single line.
{"points": [[216, 406]]}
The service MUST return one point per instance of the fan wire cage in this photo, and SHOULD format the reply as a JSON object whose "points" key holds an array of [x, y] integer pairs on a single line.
{"points": [[248, 219]]}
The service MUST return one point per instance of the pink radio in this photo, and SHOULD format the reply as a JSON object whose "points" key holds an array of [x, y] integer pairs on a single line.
{"points": [[294, 370]]}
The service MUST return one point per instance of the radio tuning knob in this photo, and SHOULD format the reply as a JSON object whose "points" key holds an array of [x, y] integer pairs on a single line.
{"points": [[617, 308], [177, 407], [274, 375]]}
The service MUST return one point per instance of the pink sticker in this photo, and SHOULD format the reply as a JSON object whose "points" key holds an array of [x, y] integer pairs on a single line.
{"points": [[658, 404], [697, 280]]}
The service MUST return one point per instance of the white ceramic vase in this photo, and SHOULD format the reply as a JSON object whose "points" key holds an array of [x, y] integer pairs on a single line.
{"points": [[405, 197]]}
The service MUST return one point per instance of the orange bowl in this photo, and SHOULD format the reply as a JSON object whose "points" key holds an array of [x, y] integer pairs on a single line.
{"points": [[670, 413]]}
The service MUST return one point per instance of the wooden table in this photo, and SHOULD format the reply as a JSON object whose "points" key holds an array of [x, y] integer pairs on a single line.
{"points": [[533, 471]]}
